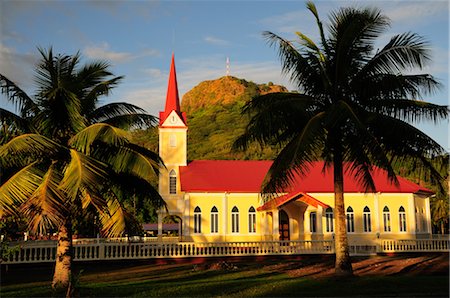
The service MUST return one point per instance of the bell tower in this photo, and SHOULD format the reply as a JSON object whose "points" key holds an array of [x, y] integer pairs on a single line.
{"points": [[172, 140]]}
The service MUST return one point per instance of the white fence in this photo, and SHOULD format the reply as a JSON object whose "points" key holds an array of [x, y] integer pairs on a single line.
{"points": [[30, 252]]}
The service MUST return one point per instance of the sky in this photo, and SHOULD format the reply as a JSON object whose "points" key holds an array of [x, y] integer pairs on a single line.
{"points": [[138, 38]]}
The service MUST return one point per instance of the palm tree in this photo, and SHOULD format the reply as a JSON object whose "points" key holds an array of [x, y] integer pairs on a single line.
{"points": [[354, 109], [65, 154]]}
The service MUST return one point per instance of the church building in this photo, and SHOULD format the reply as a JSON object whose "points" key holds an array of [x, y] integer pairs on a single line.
{"points": [[220, 200]]}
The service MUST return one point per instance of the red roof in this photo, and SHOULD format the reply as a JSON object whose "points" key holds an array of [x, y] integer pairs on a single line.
{"points": [[247, 176], [172, 97]]}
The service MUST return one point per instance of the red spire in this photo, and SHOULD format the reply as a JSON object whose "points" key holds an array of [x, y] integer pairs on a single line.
{"points": [[172, 97]]}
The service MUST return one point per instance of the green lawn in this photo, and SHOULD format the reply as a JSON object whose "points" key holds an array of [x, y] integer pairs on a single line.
{"points": [[269, 278]]}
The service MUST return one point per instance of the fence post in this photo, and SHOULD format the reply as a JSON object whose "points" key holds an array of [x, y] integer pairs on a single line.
{"points": [[101, 250]]}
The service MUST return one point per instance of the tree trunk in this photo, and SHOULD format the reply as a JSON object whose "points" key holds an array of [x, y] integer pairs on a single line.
{"points": [[343, 266], [63, 266]]}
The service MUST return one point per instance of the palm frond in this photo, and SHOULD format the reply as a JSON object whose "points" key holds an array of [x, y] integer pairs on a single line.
{"points": [[114, 218], [101, 132], [312, 8], [83, 172], [141, 121], [19, 187], [101, 88], [296, 157], [267, 127], [403, 52], [46, 207], [25, 105], [29, 145], [130, 158], [294, 64]]}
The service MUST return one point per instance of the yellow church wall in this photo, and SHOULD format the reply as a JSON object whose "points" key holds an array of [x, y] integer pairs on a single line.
{"points": [[224, 203], [360, 200]]}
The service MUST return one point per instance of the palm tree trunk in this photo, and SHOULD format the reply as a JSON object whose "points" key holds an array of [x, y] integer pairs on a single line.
{"points": [[343, 265], [63, 265]]}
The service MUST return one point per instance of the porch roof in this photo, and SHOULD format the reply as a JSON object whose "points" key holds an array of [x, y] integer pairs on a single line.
{"points": [[293, 196]]}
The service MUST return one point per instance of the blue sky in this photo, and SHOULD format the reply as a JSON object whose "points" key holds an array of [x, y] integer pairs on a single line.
{"points": [[138, 38]]}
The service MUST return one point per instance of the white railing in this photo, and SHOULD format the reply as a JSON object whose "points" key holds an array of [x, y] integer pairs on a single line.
{"points": [[422, 245], [35, 252]]}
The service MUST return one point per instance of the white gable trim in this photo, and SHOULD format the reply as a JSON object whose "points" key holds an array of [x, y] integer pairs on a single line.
{"points": [[173, 120]]}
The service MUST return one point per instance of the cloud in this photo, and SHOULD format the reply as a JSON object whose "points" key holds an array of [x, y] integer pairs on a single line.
{"points": [[415, 12], [216, 41], [19, 68], [154, 72], [103, 51]]}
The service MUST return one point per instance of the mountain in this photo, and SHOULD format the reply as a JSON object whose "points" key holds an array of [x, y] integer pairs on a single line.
{"points": [[224, 91]]}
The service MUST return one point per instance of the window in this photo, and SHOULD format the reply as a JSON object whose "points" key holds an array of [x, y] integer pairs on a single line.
{"points": [[251, 220], [172, 182], [312, 222], [235, 220], [173, 140], [386, 219], [329, 220], [350, 220], [366, 220], [197, 220], [402, 219], [214, 220]]}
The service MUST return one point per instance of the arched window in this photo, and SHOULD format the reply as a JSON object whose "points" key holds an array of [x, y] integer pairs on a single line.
{"points": [[386, 219], [252, 220], [173, 182], [173, 140], [197, 220], [329, 220], [313, 222], [402, 219], [367, 220], [214, 220], [350, 220], [235, 220]]}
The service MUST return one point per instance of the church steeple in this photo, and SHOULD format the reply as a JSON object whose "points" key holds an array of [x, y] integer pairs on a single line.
{"points": [[172, 97]]}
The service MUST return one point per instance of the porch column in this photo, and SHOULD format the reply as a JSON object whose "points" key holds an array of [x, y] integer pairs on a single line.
{"points": [[319, 220], [411, 216], [160, 225], [275, 225], [428, 215], [306, 222]]}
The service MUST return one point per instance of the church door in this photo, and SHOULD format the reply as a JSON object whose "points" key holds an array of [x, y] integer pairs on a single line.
{"points": [[283, 225]]}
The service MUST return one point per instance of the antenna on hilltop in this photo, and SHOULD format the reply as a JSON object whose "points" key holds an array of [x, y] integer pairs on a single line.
{"points": [[228, 66]]}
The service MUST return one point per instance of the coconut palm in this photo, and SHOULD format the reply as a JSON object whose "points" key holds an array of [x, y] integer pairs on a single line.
{"points": [[354, 108], [65, 153]]}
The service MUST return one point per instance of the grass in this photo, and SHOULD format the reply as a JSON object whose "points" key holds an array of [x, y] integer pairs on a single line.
{"points": [[268, 278]]}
